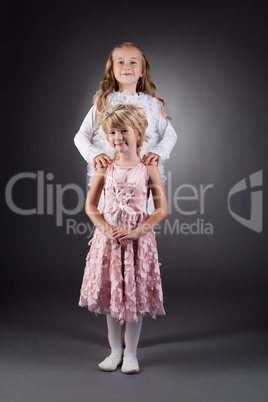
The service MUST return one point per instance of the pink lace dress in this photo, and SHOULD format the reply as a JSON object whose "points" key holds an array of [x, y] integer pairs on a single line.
{"points": [[123, 281]]}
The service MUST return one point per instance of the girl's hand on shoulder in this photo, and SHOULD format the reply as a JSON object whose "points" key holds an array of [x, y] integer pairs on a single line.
{"points": [[102, 160], [151, 158]]}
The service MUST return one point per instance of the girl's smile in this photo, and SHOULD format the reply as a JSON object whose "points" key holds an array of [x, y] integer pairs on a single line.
{"points": [[120, 143]]}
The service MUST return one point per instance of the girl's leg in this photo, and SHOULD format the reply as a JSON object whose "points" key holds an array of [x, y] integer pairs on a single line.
{"points": [[133, 330], [115, 339], [124, 335]]}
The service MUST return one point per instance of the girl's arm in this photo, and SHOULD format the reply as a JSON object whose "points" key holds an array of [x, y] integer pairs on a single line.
{"points": [[169, 139], [82, 139], [92, 202], [160, 212], [160, 202]]}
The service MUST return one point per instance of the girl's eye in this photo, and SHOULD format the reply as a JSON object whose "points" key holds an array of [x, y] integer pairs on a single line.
{"points": [[124, 131], [112, 132], [133, 62]]}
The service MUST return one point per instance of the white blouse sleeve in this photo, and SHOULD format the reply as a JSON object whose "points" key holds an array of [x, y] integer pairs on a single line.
{"points": [[82, 139], [169, 139]]}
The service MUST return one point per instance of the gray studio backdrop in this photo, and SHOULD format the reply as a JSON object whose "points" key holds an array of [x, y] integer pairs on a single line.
{"points": [[208, 62]]}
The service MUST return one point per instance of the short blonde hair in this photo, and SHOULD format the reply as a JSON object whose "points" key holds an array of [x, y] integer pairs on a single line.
{"points": [[125, 115]]}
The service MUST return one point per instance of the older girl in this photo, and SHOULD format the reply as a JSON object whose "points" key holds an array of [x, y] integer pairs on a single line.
{"points": [[127, 80]]}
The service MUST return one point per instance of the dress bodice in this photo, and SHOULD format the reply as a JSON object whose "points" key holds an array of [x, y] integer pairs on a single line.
{"points": [[125, 195]]}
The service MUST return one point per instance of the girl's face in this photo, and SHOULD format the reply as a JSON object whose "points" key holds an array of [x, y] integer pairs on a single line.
{"points": [[123, 139], [127, 68]]}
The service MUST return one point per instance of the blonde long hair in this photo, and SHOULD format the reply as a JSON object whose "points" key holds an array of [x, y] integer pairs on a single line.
{"points": [[125, 115], [109, 83]]}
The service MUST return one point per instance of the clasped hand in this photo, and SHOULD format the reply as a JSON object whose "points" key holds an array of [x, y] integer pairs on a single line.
{"points": [[123, 235]]}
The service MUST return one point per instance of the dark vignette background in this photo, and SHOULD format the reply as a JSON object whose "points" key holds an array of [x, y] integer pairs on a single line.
{"points": [[209, 61]]}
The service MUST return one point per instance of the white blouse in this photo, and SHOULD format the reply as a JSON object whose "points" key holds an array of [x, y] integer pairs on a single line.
{"points": [[161, 133]]}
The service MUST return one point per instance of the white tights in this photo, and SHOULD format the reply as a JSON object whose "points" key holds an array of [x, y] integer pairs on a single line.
{"points": [[133, 331], [115, 331]]}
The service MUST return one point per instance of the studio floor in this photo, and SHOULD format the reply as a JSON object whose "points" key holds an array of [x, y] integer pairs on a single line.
{"points": [[194, 354]]}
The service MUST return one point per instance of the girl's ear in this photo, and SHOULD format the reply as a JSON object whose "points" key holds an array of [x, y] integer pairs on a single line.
{"points": [[139, 136]]}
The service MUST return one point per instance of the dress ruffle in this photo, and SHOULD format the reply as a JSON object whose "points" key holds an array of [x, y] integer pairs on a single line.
{"points": [[125, 285]]}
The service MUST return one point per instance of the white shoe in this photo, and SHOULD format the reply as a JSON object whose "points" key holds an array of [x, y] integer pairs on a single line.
{"points": [[130, 366], [110, 364]]}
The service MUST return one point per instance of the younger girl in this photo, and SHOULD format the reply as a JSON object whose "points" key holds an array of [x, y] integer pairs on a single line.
{"points": [[122, 276], [127, 80]]}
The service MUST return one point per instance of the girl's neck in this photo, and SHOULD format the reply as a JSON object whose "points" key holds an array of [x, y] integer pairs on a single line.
{"points": [[129, 88], [125, 160]]}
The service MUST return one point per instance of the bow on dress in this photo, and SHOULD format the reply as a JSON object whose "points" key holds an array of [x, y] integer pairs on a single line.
{"points": [[123, 194]]}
